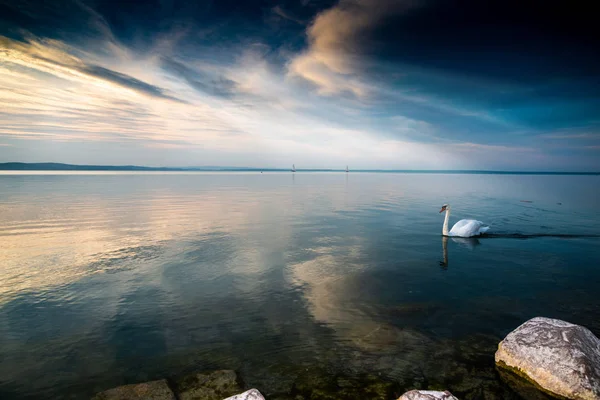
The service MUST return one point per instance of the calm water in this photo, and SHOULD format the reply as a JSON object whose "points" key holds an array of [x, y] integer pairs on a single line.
{"points": [[109, 279]]}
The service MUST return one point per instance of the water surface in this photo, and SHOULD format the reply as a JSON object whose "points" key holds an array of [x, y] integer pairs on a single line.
{"points": [[116, 278]]}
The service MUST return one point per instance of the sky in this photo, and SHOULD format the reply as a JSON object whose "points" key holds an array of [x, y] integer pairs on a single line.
{"points": [[373, 84]]}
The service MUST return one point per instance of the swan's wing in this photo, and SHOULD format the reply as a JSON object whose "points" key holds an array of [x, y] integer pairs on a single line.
{"points": [[461, 224], [468, 228], [483, 229]]}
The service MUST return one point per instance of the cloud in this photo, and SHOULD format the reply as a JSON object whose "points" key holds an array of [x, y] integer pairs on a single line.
{"points": [[278, 10], [53, 57], [493, 156], [51, 96], [477, 147], [563, 147], [333, 60], [572, 136], [126, 81], [217, 86]]}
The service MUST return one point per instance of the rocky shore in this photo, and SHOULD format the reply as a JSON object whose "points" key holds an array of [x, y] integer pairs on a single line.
{"points": [[541, 359]]}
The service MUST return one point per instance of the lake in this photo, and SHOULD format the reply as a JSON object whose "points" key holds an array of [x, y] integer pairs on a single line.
{"points": [[115, 278]]}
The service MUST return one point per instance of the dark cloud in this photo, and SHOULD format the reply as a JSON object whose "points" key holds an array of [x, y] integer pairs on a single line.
{"points": [[126, 81], [529, 63], [520, 41], [216, 86], [55, 58], [72, 21]]}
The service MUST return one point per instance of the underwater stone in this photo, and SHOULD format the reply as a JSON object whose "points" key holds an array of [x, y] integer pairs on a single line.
{"points": [[155, 390], [526, 389], [427, 395], [251, 394], [215, 385], [559, 357]]}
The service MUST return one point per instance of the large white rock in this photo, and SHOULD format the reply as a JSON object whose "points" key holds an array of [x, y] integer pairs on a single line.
{"points": [[427, 395], [561, 358], [251, 394]]}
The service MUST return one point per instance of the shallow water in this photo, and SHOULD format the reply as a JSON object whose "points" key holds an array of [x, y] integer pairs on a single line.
{"points": [[116, 278]]}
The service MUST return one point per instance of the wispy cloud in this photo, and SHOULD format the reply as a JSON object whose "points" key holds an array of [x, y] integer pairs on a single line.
{"points": [[571, 136], [476, 147], [53, 58], [61, 97], [333, 59], [217, 85], [126, 81], [281, 12]]}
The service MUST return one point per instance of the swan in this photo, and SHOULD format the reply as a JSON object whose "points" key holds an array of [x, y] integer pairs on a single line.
{"points": [[464, 227]]}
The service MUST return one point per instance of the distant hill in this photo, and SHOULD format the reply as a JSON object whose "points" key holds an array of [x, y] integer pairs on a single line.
{"points": [[18, 166]]}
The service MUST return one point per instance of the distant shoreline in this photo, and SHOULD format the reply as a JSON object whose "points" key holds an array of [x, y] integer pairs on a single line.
{"points": [[17, 166]]}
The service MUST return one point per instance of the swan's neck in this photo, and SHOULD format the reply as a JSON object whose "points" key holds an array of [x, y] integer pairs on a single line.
{"points": [[445, 228]]}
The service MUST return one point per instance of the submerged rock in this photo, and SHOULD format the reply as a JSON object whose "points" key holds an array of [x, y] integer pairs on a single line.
{"points": [[318, 384], [526, 390], [155, 390], [207, 386], [427, 395], [251, 394], [561, 358]]}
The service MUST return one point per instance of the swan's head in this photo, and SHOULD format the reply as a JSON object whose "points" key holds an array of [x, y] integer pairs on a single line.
{"points": [[444, 208]]}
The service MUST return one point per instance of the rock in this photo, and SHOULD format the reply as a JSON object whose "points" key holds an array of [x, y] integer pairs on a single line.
{"points": [[155, 390], [207, 386], [562, 359], [427, 395], [251, 394]]}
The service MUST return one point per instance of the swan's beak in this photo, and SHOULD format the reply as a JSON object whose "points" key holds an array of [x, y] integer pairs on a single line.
{"points": [[443, 209]]}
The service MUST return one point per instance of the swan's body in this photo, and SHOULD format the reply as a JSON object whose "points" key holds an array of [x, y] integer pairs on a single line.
{"points": [[464, 227]]}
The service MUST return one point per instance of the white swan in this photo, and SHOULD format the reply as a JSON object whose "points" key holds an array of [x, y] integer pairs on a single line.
{"points": [[464, 227]]}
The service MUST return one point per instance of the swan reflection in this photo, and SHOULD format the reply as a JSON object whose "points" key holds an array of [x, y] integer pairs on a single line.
{"points": [[469, 243]]}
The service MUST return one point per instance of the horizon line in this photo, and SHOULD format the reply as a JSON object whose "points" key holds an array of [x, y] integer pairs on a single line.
{"points": [[54, 166]]}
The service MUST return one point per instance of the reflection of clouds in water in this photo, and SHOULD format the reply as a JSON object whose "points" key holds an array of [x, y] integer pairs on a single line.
{"points": [[58, 244], [332, 283], [111, 275], [55, 228], [171, 307], [376, 316], [324, 280]]}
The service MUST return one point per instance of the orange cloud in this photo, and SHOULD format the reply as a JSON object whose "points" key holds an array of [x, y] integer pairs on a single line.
{"points": [[332, 60]]}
